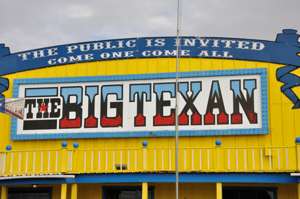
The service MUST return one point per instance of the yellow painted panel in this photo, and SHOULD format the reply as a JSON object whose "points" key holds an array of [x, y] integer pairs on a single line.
{"points": [[191, 191], [284, 191], [167, 190], [56, 192], [235, 153], [287, 191], [89, 191]]}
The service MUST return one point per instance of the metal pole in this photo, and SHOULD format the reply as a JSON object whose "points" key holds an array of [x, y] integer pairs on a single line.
{"points": [[176, 102]]}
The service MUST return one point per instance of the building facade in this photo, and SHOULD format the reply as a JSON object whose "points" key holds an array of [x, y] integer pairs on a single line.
{"points": [[98, 119]]}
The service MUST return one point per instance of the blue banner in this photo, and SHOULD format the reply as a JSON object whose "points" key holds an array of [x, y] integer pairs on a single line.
{"points": [[285, 50], [2, 105], [3, 87]]}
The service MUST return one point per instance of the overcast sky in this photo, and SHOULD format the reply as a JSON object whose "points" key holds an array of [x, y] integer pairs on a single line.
{"points": [[28, 24]]}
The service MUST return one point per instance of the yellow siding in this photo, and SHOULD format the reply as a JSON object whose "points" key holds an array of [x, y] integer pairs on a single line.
{"points": [[287, 191], [85, 191], [89, 191], [56, 192], [284, 191], [188, 191], [194, 191], [237, 153], [167, 190]]}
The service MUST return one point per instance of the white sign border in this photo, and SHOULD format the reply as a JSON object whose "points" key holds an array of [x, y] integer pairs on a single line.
{"points": [[262, 72]]}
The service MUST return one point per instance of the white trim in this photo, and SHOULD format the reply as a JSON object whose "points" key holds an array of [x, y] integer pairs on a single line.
{"points": [[36, 176], [295, 174]]}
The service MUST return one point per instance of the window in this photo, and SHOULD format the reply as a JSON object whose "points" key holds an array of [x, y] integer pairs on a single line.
{"points": [[133, 192], [29, 193], [249, 193]]}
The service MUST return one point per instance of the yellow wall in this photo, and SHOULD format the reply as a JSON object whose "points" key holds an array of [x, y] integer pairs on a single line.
{"points": [[282, 119], [287, 191], [56, 191], [167, 190], [208, 191], [186, 191], [284, 191], [85, 191], [89, 191]]}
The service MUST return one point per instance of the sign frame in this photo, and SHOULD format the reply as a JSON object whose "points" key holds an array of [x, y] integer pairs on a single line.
{"points": [[262, 72]]}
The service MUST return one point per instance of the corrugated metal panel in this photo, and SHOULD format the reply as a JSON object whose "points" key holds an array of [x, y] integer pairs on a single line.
{"points": [[236, 154]]}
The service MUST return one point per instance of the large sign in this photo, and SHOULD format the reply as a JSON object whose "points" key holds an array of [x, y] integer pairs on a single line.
{"points": [[284, 50], [197, 47], [209, 103]]}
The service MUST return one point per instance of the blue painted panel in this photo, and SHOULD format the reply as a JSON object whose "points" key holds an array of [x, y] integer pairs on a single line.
{"points": [[283, 178], [284, 51], [3, 87], [36, 92]]}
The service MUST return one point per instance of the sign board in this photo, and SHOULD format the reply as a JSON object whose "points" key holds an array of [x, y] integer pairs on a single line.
{"points": [[210, 103], [154, 47]]}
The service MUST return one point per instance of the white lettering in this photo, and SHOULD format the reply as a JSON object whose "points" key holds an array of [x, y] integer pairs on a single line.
{"points": [[70, 49], [204, 42], [189, 42], [98, 46], [228, 43], [52, 52], [243, 44], [104, 55], [131, 43], [24, 56], [203, 53], [71, 59], [159, 42], [215, 43], [257, 46], [149, 42]]}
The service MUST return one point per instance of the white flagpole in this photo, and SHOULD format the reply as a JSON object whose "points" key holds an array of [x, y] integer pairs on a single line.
{"points": [[176, 102]]}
